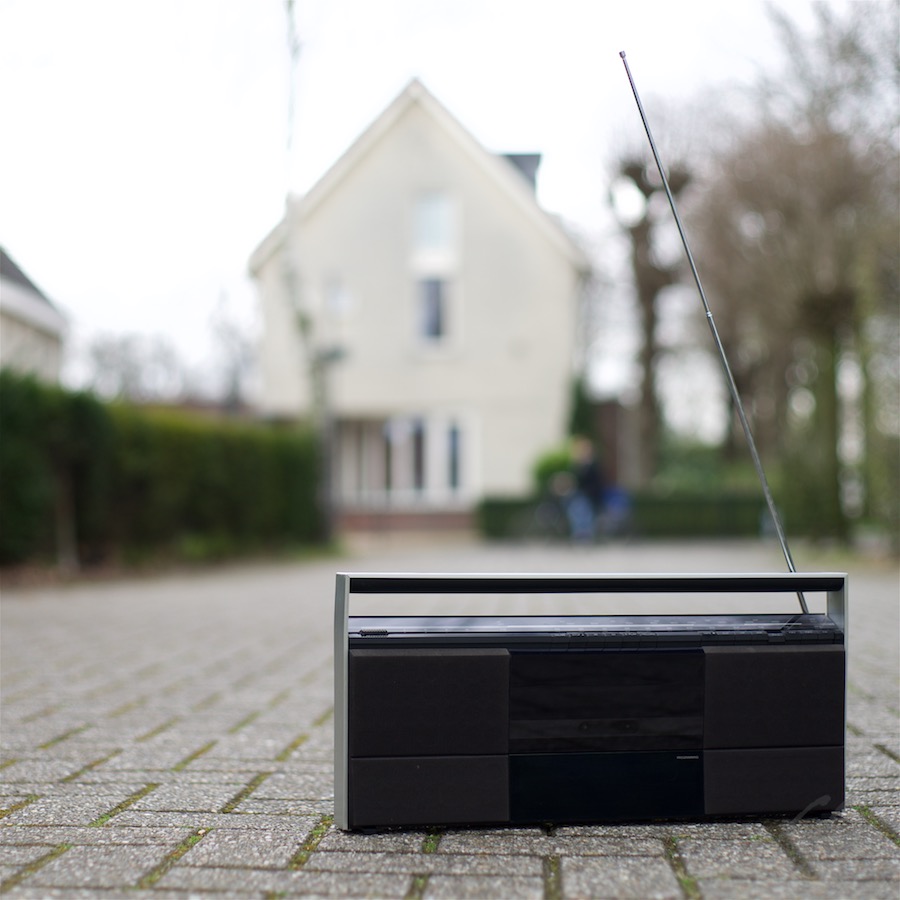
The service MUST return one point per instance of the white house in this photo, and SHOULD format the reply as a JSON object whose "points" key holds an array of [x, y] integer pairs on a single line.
{"points": [[420, 296], [32, 329]]}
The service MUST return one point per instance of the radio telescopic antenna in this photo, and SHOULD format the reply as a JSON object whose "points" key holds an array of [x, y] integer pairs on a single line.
{"points": [[729, 377]]}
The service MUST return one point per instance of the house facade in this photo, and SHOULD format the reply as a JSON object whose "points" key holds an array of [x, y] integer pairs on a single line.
{"points": [[419, 300], [32, 329]]}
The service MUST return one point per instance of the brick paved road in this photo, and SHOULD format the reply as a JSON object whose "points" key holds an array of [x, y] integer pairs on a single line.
{"points": [[171, 737]]}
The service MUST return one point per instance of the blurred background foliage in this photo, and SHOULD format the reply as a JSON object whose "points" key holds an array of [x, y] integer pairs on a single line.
{"points": [[803, 205], [791, 198]]}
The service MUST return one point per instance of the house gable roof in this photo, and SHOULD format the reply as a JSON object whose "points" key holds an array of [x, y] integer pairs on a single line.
{"points": [[506, 172]]}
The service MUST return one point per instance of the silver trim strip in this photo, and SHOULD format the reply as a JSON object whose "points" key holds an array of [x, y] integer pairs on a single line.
{"points": [[341, 737]]}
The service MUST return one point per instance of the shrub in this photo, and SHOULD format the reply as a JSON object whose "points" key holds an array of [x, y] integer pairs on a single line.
{"points": [[549, 464]]}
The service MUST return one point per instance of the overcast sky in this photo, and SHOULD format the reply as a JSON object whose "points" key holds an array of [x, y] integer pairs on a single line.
{"points": [[144, 143]]}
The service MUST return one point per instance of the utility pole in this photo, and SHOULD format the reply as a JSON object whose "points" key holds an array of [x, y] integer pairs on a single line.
{"points": [[318, 359], [294, 47]]}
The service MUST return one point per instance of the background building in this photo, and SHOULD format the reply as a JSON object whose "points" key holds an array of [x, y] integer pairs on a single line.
{"points": [[32, 329], [420, 302]]}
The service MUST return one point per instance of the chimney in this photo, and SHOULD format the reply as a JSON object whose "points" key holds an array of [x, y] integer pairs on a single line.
{"points": [[527, 164]]}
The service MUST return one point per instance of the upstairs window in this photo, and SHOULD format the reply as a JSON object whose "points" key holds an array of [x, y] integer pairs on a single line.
{"points": [[337, 297], [434, 267], [432, 301], [433, 223]]}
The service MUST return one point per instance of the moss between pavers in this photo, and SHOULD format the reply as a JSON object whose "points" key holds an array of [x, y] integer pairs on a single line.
{"points": [[121, 807], [297, 742], [418, 885], [21, 804], [33, 867], [184, 763], [155, 874], [887, 752], [245, 792], [552, 875], [93, 764], [308, 847], [687, 882]]}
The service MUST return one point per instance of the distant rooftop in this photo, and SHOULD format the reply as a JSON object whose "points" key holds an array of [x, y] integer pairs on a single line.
{"points": [[527, 164], [11, 271]]}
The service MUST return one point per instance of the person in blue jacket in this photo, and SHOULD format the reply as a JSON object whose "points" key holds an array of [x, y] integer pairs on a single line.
{"points": [[586, 499]]}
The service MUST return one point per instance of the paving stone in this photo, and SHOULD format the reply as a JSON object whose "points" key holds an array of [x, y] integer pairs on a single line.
{"points": [[874, 799], [98, 867], [841, 843], [871, 765], [144, 759], [397, 841], [604, 846], [811, 823], [536, 842], [209, 767], [721, 831], [14, 797], [874, 721], [211, 820], [470, 887], [253, 806], [530, 841], [78, 789], [718, 889], [865, 782], [445, 863], [302, 884], [753, 859], [234, 779], [22, 855], [889, 815], [19, 835], [186, 798], [63, 810], [612, 877], [858, 870], [53, 835], [627, 831], [302, 786], [25, 893], [259, 849], [8, 872], [43, 770]]}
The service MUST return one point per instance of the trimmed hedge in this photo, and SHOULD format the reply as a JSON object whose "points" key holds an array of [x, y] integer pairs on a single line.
{"points": [[506, 517], [97, 481], [726, 514]]}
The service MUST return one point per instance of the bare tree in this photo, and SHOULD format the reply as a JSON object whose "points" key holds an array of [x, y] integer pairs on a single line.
{"points": [[235, 354], [134, 367], [652, 273], [798, 230]]}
